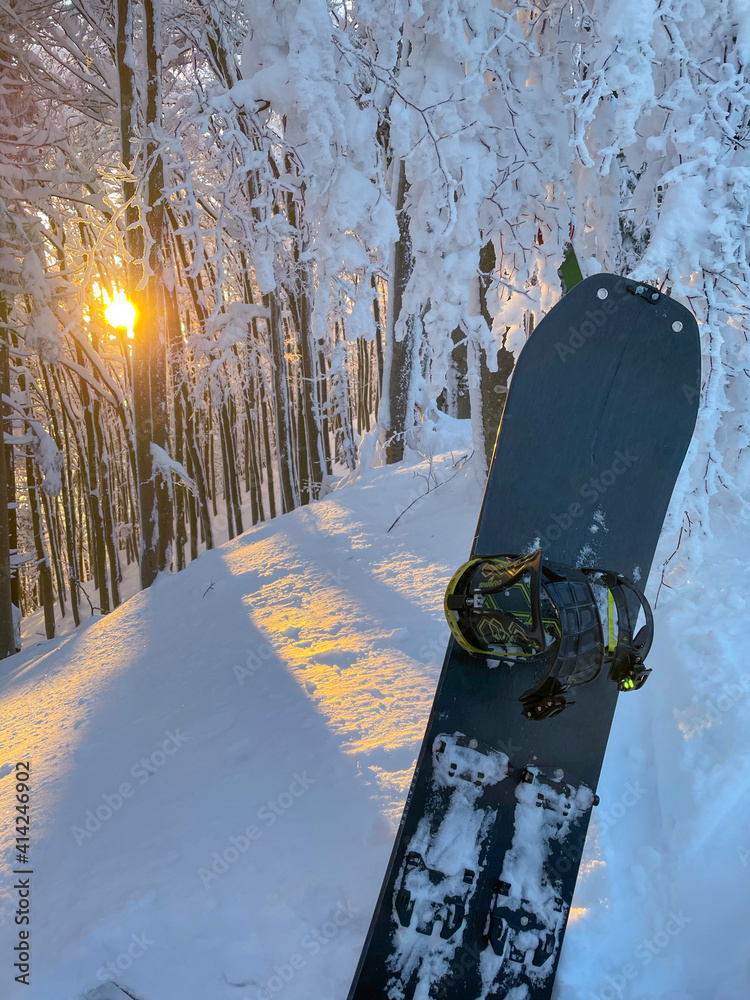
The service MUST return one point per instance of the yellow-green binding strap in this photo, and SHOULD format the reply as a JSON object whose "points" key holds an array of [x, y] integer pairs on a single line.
{"points": [[611, 640], [451, 615]]}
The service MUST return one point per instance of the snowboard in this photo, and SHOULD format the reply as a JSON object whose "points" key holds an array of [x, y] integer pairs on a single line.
{"points": [[598, 418]]}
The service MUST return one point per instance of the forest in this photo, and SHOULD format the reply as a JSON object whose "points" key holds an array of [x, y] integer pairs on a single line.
{"points": [[247, 249]]}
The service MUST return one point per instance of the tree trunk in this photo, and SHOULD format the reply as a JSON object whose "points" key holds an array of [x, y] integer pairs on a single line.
{"points": [[234, 464], [159, 266], [150, 409], [51, 510], [380, 334], [299, 301], [253, 476], [177, 366], [399, 353], [7, 633], [493, 385], [192, 512], [282, 404], [325, 430], [96, 518], [47, 595], [225, 463], [198, 472], [68, 487], [266, 417]]}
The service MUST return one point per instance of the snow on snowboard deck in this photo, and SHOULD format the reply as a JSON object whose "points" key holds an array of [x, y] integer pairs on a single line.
{"points": [[598, 418]]}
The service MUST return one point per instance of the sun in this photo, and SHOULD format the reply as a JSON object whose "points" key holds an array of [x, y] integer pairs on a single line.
{"points": [[119, 312]]}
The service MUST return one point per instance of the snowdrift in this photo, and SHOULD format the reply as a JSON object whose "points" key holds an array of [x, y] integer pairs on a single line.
{"points": [[217, 768]]}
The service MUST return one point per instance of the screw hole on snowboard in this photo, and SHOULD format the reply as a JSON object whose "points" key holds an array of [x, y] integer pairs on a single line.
{"points": [[567, 624]]}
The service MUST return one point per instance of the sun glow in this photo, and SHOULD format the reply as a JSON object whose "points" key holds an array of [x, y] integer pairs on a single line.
{"points": [[119, 312]]}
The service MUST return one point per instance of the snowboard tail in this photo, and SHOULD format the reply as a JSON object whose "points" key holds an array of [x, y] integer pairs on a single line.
{"points": [[525, 929], [438, 875]]}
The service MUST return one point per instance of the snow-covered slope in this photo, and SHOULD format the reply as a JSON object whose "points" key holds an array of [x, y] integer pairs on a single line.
{"points": [[218, 766]]}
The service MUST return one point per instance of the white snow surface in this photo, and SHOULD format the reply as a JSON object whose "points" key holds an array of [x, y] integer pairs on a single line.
{"points": [[218, 766]]}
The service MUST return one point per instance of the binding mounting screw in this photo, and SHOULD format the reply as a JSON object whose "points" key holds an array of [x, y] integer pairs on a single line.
{"points": [[602, 293], [677, 326], [654, 296]]}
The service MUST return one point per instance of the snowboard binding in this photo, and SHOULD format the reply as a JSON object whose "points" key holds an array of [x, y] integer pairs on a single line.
{"points": [[526, 609]]}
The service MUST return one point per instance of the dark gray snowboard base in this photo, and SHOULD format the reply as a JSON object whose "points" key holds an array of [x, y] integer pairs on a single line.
{"points": [[599, 416]]}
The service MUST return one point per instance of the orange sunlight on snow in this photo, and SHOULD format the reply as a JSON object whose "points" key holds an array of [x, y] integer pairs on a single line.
{"points": [[343, 654], [45, 710]]}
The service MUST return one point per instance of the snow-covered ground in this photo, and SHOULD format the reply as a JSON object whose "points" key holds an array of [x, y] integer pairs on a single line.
{"points": [[218, 767]]}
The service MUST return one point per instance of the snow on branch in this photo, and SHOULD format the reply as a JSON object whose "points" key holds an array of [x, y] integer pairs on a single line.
{"points": [[45, 452], [167, 466]]}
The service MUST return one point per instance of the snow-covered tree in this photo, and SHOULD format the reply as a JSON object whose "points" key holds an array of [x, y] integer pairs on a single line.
{"points": [[333, 220]]}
